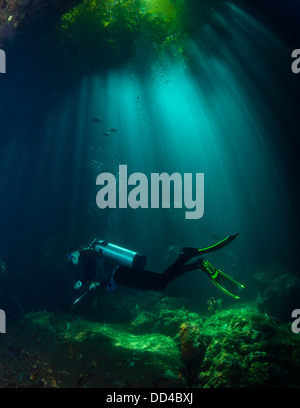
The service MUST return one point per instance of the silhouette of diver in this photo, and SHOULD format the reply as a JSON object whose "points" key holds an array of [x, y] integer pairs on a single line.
{"points": [[102, 263]]}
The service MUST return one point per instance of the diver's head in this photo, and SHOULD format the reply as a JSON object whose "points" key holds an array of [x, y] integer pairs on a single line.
{"points": [[74, 257]]}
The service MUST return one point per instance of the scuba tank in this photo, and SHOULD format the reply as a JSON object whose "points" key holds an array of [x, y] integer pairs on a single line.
{"points": [[123, 256]]}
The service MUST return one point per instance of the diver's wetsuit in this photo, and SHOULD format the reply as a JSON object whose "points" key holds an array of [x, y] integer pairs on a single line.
{"points": [[105, 270], [134, 278], [151, 280]]}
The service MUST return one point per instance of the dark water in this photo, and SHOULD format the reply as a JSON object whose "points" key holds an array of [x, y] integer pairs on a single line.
{"points": [[229, 110]]}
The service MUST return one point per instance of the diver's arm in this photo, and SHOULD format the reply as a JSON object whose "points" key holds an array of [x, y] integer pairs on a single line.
{"points": [[90, 285]]}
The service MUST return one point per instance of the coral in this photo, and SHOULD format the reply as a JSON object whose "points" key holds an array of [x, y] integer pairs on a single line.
{"points": [[144, 323], [166, 346], [278, 290], [247, 350], [213, 305], [192, 347]]}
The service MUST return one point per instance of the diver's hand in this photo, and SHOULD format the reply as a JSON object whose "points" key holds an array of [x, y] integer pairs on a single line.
{"points": [[93, 285], [78, 285]]}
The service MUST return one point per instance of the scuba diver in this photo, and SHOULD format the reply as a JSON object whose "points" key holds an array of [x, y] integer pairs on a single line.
{"points": [[105, 264]]}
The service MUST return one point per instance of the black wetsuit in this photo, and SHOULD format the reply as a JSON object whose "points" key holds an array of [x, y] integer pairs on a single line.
{"points": [[112, 273]]}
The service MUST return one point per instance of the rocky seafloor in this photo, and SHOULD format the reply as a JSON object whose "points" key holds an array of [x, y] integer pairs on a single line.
{"points": [[165, 346]]}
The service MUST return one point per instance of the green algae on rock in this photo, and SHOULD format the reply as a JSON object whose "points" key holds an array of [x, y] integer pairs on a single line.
{"points": [[166, 346]]}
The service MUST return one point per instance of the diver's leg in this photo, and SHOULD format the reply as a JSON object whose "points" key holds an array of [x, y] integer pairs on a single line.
{"points": [[179, 267], [147, 280], [139, 279]]}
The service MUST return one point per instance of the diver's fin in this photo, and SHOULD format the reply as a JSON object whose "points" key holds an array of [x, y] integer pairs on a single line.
{"points": [[215, 275], [218, 245], [192, 252], [229, 279], [224, 290]]}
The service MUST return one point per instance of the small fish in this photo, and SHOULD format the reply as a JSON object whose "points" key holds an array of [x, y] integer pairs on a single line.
{"points": [[96, 120], [106, 133], [113, 129]]}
